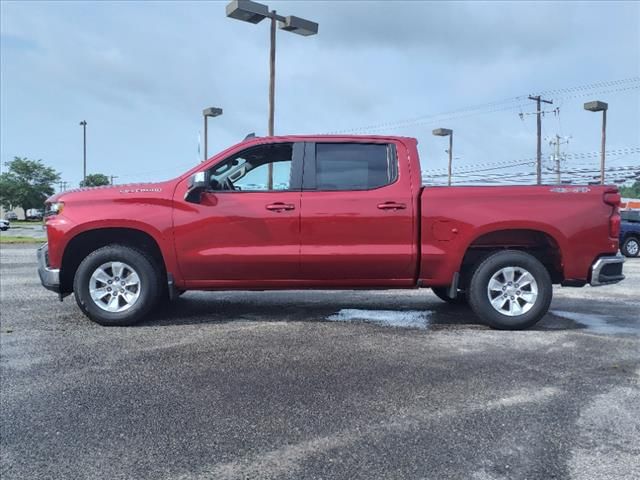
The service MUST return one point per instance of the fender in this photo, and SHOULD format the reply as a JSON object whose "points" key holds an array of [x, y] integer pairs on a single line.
{"points": [[555, 234], [441, 260]]}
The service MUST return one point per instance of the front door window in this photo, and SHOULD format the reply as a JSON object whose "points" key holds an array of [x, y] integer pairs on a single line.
{"points": [[261, 168]]}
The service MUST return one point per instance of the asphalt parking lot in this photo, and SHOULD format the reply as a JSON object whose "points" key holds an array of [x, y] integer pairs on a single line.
{"points": [[33, 230], [317, 385]]}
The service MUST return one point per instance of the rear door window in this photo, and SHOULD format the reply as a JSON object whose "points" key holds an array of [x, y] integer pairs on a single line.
{"points": [[354, 166]]}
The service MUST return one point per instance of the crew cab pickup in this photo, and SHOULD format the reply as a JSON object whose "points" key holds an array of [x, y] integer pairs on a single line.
{"points": [[327, 212]]}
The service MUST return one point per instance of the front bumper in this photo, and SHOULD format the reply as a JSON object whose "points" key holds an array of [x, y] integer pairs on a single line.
{"points": [[49, 277], [607, 270]]}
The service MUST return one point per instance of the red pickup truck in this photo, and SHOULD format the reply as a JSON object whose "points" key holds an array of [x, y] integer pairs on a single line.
{"points": [[327, 212]]}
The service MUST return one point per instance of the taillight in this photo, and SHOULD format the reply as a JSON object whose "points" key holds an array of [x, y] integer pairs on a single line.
{"points": [[612, 198], [614, 224]]}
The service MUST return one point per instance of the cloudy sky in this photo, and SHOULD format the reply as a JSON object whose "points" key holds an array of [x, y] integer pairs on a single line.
{"points": [[141, 72]]}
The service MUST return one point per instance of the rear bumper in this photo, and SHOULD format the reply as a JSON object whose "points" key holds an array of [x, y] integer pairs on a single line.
{"points": [[607, 270], [49, 277]]}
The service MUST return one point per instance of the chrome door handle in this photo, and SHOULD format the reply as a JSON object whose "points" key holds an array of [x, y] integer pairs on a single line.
{"points": [[280, 207], [392, 206]]}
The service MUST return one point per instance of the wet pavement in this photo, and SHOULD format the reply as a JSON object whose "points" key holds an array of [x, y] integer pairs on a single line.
{"points": [[357, 384]]}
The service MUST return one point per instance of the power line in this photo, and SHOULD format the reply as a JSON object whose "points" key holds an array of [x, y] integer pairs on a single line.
{"points": [[583, 177], [592, 86], [575, 175], [466, 169], [500, 105]]}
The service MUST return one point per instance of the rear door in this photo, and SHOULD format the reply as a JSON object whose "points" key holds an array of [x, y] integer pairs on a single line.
{"points": [[358, 219]]}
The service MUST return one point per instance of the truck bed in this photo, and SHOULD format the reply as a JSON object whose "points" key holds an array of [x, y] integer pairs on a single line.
{"points": [[575, 219]]}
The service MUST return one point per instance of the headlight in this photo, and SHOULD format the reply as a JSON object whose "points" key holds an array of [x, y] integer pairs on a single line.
{"points": [[54, 208]]}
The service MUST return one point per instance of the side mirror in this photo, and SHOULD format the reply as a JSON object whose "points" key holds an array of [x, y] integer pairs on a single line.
{"points": [[196, 184]]}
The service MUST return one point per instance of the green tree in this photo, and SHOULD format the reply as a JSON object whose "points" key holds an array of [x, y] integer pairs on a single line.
{"points": [[26, 183], [95, 180], [632, 191]]}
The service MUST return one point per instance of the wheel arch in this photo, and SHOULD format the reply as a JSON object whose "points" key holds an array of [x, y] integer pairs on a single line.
{"points": [[630, 234], [543, 244], [83, 243]]}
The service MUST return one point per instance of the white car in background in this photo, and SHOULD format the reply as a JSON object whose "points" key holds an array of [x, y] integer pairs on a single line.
{"points": [[4, 225]]}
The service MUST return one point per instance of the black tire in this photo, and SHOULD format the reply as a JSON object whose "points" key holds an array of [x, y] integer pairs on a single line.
{"points": [[479, 295], [631, 247], [149, 285], [443, 294]]}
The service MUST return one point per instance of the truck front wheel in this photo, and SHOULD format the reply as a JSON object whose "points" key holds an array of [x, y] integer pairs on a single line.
{"points": [[116, 285], [510, 290]]}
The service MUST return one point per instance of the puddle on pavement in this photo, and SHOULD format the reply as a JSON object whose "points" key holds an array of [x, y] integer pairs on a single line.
{"points": [[421, 319], [597, 323], [388, 318]]}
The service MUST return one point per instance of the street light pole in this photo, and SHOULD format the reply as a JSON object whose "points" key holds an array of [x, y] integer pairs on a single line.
{"points": [[603, 141], [446, 132], [272, 92], [450, 155], [206, 113], [83, 123], [597, 106], [206, 137], [272, 74]]}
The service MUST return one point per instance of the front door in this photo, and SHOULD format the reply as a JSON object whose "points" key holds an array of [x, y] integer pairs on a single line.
{"points": [[246, 228], [358, 215]]}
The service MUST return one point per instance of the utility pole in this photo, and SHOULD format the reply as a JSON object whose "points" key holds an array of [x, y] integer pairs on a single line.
{"points": [[112, 178], [557, 141], [557, 158], [539, 112], [62, 185]]}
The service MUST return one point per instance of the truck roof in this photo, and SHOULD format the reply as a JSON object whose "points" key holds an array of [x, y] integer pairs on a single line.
{"points": [[332, 136]]}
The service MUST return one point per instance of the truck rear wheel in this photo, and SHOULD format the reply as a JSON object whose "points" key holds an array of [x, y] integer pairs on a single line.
{"points": [[510, 290], [116, 285]]}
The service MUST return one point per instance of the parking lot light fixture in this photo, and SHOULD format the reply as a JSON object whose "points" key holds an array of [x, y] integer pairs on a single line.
{"points": [[446, 132], [298, 25], [206, 113], [598, 106], [247, 11]]}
